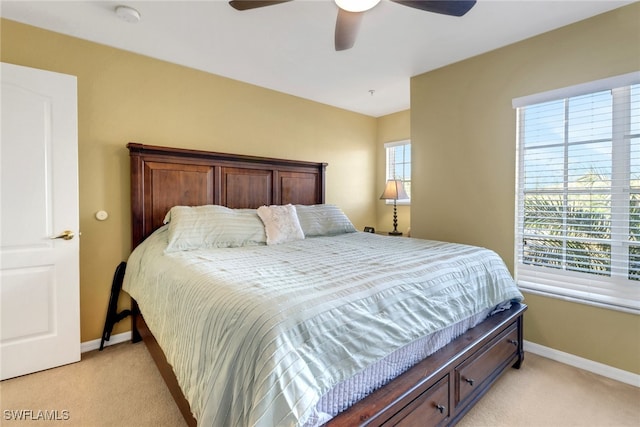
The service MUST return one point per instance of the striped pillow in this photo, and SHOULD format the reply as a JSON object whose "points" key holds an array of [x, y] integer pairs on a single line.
{"points": [[213, 226], [323, 220]]}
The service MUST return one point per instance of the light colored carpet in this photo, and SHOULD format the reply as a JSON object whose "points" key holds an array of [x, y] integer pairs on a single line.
{"points": [[117, 387], [546, 393], [121, 387]]}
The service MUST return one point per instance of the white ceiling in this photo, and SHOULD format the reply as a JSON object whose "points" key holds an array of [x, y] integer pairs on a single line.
{"points": [[289, 47]]}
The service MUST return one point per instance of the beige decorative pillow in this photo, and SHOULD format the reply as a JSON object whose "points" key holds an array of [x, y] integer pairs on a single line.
{"points": [[281, 223]]}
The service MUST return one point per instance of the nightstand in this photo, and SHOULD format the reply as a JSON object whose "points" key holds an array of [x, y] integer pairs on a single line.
{"points": [[386, 233]]}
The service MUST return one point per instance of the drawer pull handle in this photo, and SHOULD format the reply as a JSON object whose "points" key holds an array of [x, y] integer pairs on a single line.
{"points": [[441, 408], [514, 342], [470, 381]]}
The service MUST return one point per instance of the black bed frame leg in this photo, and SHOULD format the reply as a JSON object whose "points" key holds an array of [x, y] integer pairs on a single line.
{"points": [[135, 312], [113, 316]]}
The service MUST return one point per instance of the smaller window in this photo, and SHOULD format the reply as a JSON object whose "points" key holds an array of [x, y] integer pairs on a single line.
{"points": [[399, 165]]}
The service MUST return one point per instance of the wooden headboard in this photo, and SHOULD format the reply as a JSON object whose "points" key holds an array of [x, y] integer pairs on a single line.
{"points": [[163, 177]]}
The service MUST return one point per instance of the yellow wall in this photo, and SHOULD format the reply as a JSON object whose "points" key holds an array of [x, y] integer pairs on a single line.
{"points": [[462, 132], [463, 146], [126, 97], [392, 127]]}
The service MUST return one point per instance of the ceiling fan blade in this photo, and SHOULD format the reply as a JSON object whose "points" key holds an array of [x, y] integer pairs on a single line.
{"points": [[253, 4], [445, 7], [347, 26]]}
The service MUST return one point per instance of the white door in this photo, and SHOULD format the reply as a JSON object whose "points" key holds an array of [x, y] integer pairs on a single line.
{"points": [[39, 277]]}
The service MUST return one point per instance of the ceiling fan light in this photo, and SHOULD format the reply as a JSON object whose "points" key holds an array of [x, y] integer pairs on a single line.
{"points": [[356, 5]]}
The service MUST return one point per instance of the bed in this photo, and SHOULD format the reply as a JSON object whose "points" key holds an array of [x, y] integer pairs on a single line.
{"points": [[240, 339]]}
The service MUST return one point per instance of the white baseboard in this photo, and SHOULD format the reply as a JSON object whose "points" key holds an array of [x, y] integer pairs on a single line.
{"points": [[114, 339], [582, 363]]}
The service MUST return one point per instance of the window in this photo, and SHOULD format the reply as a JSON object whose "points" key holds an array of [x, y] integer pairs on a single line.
{"points": [[399, 165], [578, 204]]}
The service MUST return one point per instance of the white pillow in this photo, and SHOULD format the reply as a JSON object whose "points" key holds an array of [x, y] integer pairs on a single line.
{"points": [[323, 220], [213, 226], [281, 223]]}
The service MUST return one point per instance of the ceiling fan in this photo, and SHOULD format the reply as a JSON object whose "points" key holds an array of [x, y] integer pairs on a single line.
{"points": [[350, 13]]}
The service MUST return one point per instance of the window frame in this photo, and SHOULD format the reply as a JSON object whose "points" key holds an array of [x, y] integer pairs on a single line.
{"points": [[388, 175], [615, 291]]}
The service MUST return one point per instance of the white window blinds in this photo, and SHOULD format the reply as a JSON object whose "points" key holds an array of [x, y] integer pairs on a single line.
{"points": [[578, 204], [398, 155]]}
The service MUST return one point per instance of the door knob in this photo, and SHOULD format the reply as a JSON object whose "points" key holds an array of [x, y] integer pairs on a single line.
{"points": [[66, 235]]}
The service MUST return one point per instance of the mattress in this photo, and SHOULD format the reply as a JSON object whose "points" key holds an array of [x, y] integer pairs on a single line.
{"points": [[379, 373], [288, 334]]}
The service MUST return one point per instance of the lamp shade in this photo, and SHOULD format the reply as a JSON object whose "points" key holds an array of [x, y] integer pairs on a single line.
{"points": [[356, 5], [394, 190]]}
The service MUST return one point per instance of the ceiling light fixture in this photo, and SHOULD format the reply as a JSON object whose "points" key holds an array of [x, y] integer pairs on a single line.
{"points": [[356, 5], [128, 14]]}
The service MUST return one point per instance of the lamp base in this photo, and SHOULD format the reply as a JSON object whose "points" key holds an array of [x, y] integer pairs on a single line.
{"points": [[395, 233]]}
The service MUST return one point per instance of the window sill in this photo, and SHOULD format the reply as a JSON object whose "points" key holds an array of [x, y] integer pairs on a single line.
{"points": [[545, 291], [399, 202]]}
